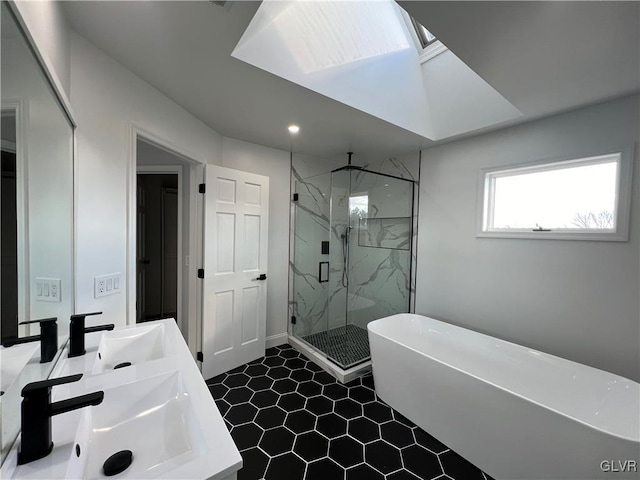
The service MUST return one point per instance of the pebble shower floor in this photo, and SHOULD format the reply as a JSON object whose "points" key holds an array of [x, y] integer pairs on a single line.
{"points": [[293, 421]]}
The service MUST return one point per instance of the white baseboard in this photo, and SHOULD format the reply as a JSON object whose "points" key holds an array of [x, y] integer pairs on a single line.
{"points": [[275, 340]]}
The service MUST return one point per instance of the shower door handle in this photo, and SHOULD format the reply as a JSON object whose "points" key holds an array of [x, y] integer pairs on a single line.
{"points": [[263, 276]]}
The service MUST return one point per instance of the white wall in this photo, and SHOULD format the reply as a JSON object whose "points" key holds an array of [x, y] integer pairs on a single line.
{"points": [[275, 164], [48, 27], [575, 299], [107, 100]]}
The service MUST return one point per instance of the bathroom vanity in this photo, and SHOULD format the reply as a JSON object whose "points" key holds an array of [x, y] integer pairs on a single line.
{"points": [[156, 405]]}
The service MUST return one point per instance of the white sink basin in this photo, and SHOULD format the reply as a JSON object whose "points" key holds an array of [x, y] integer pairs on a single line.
{"points": [[13, 360], [132, 345], [153, 418], [159, 408]]}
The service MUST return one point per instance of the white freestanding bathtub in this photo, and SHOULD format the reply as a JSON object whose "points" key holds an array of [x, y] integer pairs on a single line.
{"points": [[514, 412]]}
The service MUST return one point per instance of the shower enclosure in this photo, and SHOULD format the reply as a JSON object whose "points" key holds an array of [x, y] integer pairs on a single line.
{"points": [[351, 258]]}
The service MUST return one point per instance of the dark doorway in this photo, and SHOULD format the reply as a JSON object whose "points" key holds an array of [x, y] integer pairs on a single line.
{"points": [[9, 254], [157, 246]]}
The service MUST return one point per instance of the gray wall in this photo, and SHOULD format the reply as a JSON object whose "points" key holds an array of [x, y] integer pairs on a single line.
{"points": [[574, 299]]}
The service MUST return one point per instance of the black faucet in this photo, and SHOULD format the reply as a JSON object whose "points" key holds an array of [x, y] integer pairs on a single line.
{"points": [[77, 331], [48, 338], [37, 411]]}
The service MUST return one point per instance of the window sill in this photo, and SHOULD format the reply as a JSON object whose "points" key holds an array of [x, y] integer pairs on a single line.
{"points": [[558, 235]]}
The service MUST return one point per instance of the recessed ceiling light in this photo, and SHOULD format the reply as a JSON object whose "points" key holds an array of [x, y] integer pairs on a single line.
{"points": [[294, 129]]}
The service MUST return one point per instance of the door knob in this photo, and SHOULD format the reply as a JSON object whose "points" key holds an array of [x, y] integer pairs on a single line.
{"points": [[263, 276]]}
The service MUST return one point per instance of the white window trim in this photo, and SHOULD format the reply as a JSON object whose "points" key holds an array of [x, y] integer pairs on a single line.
{"points": [[430, 51], [623, 199]]}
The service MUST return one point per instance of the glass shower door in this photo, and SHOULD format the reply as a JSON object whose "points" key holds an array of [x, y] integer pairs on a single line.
{"points": [[310, 265], [372, 218]]}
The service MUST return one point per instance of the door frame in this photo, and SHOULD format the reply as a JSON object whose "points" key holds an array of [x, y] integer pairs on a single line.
{"points": [[19, 109], [171, 170], [195, 163]]}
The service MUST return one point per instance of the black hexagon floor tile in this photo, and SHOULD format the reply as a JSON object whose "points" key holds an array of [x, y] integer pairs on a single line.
{"points": [[421, 462], [324, 378], [291, 402], [238, 395], [218, 390], [223, 406], [402, 419], [295, 363], [363, 472], [300, 421], [292, 420], [396, 434], [346, 451], [236, 380], [383, 457], [429, 442], [362, 394], [271, 352], [319, 405], [260, 383], [270, 417], [287, 466], [309, 388], [264, 398], [256, 370], [402, 475], [457, 467], [284, 385], [301, 375], [277, 441], [273, 361], [246, 436], [331, 425], [254, 464], [311, 446], [378, 412], [363, 430], [335, 391], [278, 372], [348, 408], [239, 414], [325, 469]]}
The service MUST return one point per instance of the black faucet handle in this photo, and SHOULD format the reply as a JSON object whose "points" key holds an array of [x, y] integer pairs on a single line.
{"points": [[42, 321], [79, 316], [35, 388]]}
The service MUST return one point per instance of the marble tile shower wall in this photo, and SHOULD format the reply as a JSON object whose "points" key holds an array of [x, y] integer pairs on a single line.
{"points": [[379, 251], [379, 276]]}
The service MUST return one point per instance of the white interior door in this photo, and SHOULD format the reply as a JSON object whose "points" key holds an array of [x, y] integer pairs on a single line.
{"points": [[236, 216]]}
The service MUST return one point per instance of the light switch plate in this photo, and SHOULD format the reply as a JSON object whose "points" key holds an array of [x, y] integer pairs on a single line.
{"points": [[48, 289], [106, 285]]}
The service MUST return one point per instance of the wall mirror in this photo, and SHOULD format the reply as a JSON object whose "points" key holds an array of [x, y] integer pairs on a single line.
{"points": [[36, 228]]}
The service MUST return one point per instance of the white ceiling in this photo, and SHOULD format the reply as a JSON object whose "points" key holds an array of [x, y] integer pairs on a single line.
{"points": [[541, 56]]}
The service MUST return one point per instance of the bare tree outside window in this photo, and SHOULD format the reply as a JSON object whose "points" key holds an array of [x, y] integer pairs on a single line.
{"points": [[592, 220]]}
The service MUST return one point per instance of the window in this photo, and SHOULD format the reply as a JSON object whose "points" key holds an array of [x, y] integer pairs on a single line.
{"points": [[425, 36], [359, 206], [571, 199]]}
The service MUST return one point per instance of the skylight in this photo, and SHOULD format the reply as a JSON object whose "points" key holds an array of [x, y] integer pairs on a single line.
{"points": [[326, 34], [425, 36]]}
